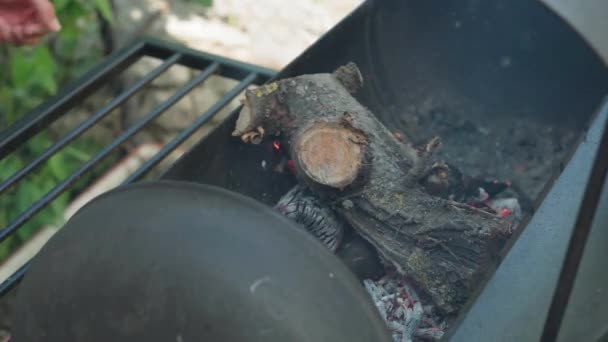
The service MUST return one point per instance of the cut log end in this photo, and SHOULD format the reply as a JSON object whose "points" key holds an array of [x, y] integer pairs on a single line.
{"points": [[330, 155]]}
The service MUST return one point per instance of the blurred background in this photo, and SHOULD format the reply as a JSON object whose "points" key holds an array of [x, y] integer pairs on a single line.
{"points": [[268, 33]]}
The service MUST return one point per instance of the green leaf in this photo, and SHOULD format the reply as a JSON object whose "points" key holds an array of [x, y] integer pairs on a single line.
{"points": [[9, 166], [58, 167], [6, 247], [32, 191], [75, 10], [7, 107], [60, 5], [21, 69], [77, 153], [38, 144], [27, 193], [45, 69], [4, 203], [206, 3], [68, 43], [58, 208], [104, 7], [37, 69], [30, 228]]}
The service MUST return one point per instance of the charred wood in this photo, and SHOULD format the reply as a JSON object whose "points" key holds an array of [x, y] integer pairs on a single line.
{"points": [[377, 183]]}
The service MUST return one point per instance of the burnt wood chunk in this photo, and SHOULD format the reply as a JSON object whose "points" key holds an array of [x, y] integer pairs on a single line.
{"points": [[375, 182], [309, 212]]}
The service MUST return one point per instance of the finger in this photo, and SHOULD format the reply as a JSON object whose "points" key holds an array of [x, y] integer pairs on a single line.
{"points": [[46, 12], [34, 29], [31, 40], [19, 36], [4, 31], [16, 33]]}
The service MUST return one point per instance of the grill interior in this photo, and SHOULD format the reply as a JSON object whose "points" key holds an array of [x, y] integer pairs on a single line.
{"points": [[487, 62]]}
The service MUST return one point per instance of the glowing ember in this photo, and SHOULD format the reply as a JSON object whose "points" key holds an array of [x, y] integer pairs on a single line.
{"points": [[291, 166], [402, 310], [276, 145], [505, 212]]}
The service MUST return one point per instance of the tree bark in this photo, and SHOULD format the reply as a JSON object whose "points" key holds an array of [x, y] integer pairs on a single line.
{"points": [[375, 182]]}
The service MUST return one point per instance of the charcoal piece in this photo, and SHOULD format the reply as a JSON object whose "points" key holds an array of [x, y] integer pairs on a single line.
{"points": [[360, 257], [300, 205], [447, 181]]}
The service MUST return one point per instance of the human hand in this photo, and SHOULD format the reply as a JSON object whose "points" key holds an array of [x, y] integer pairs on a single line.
{"points": [[24, 22]]}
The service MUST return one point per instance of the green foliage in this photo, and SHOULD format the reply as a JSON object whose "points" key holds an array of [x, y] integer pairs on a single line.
{"points": [[204, 3], [28, 76], [19, 198], [32, 76], [73, 46]]}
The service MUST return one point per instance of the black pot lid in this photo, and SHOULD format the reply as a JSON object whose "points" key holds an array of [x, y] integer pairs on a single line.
{"points": [[175, 261]]}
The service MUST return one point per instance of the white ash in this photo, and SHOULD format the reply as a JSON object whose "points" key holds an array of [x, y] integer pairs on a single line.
{"points": [[510, 204], [404, 314]]}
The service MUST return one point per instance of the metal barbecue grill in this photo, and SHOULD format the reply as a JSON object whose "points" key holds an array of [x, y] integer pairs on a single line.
{"points": [[51, 111], [524, 284]]}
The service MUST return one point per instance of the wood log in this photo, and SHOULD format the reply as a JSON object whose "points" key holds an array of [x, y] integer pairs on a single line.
{"points": [[375, 182]]}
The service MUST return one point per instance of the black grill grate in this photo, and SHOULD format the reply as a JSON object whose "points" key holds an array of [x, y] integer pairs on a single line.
{"points": [[52, 110]]}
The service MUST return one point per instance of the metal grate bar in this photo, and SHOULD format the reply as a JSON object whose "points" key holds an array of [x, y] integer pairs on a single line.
{"points": [[14, 279], [193, 58], [196, 124], [41, 117], [88, 123], [61, 187], [44, 115]]}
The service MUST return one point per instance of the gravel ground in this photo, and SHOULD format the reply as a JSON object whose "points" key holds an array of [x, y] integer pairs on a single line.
{"points": [[264, 32]]}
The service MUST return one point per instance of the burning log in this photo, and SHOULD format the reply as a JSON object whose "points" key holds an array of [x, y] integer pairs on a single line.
{"points": [[377, 183]]}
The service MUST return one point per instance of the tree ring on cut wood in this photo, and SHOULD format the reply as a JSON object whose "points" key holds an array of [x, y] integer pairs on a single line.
{"points": [[330, 155]]}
